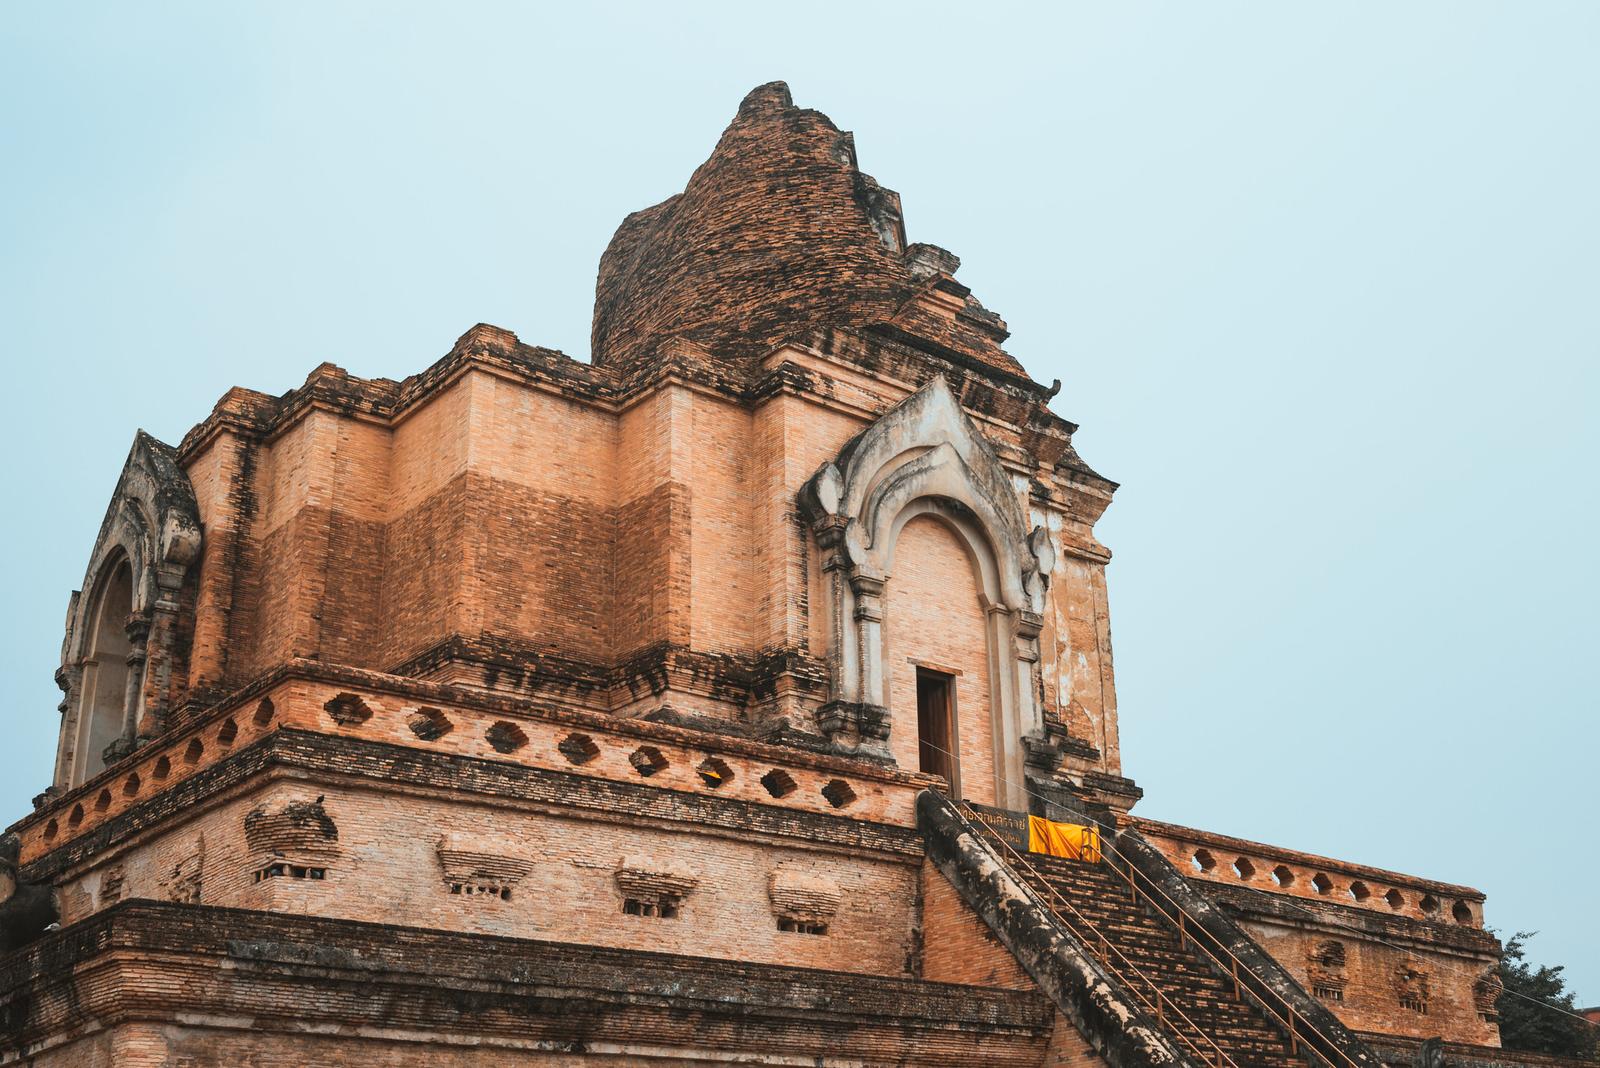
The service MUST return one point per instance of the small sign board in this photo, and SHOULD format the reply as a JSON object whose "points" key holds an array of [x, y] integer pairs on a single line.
{"points": [[1012, 826]]}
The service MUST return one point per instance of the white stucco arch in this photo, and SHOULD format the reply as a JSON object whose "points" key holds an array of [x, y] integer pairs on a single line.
{"points": [[925, 457], [151, 528]]}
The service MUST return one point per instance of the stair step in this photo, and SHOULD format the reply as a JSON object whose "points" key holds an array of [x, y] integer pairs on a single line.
{"points": [[1190, 986]]}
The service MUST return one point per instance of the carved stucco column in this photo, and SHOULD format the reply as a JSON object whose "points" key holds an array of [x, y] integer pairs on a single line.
{"points": [[138, 631], [161, 647], [835, 568], [868, 591]]}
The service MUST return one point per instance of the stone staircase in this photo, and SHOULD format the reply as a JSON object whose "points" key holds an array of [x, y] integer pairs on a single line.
{"points": [[1148, 970], [1198, 1005]]}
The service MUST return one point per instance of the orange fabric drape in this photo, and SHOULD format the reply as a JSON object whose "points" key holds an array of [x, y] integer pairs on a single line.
{"points": [[1072, 840]]}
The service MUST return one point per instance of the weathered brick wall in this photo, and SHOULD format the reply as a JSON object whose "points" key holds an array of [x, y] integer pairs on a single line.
{"points": [[145, 1046], [202, 860], [539, 521], [235, 988], [722, 588], [348, 608], [956, 945], [1069, 1049], [425, 525], [1075, 656], [652, 551], [122, 1046], [388, 869], [214, 474], [1414, 989], [793, 437], [424, 572]]}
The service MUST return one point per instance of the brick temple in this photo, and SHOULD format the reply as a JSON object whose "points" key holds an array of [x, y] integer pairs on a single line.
{"points": [[680, 707]]}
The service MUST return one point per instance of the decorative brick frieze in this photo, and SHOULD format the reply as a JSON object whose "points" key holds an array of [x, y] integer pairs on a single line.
{"points": [[184, 881], [296, 840], [298, 695]]}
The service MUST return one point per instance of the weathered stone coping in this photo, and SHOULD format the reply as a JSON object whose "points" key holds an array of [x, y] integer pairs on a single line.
{"points": [[1255, 904]]}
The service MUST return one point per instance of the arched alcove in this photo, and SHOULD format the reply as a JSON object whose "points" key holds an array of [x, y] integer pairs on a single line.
{"points": [[936, 648], [122, 648], [923, 467], [106, 681]]}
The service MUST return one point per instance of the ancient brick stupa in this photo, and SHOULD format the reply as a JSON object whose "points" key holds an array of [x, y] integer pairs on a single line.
{"points": [[684, 706]]}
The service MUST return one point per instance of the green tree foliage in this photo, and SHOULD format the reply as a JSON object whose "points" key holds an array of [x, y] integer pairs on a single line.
{"points": [[1540, 1028]]}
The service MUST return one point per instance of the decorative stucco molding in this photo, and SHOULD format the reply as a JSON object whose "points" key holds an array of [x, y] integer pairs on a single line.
{"points": [[151, 528], [925, 457]]}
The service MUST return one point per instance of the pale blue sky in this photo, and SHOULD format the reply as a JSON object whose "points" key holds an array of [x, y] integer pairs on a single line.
{"points": [[1320, 283]]}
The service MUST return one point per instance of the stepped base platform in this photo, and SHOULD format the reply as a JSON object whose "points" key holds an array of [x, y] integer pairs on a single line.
{"points": [[152, 985]]}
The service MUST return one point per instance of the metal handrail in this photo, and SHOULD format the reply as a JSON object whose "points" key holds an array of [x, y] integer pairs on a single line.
{"points": [[1085, 925], [1291, 1022]]}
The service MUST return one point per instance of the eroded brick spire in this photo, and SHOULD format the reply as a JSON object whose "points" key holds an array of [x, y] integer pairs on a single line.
{"points": [[776, 234]]}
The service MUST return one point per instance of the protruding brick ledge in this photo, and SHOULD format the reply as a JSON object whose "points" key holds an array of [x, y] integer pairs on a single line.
{"points": [[221, 970]]}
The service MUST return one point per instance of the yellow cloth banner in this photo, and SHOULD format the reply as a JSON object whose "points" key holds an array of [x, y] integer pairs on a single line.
{"points": [[1072, 840]]}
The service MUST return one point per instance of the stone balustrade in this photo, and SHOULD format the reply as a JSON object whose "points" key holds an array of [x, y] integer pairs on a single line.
{"points": [[484, 726], [1221, 859]]}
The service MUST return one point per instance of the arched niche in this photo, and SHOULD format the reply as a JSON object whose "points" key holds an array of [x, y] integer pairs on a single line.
{"points": [[105, 666], [941, 682], [121, 628], [924, 457]]}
